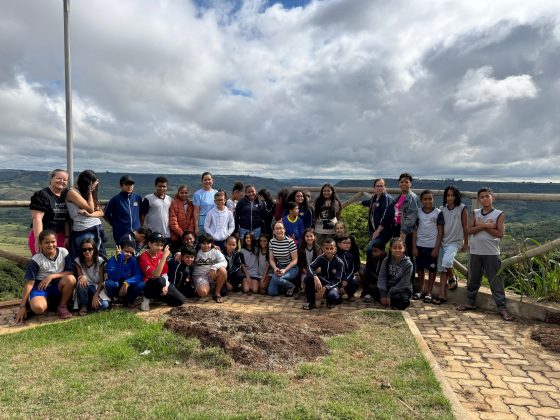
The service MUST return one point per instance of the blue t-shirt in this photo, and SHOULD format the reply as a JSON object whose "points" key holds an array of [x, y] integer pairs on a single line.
{"points": [[205, 200]]}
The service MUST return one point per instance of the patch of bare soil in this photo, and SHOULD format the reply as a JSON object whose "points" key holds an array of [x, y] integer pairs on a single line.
{"points": [[259, 341], [549, 337]]}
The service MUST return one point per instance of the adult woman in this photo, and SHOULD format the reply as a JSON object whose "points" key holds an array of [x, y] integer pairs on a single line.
{"points": [[249, 213], [48, 211], [283, 258], [181, 217], [83, 209], [203, 202], [327, 212], [381, 217], [305, 212]]}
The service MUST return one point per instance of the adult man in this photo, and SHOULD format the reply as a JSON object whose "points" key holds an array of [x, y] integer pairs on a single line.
{"points": [[123, 210], [154, 212]]}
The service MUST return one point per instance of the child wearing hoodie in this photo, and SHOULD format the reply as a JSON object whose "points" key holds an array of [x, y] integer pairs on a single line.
{"points": [[394, 284]]}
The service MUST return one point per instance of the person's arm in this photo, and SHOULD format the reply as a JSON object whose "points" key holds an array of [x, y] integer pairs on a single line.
{"points": [[439, 238], [499, 229], [159, 268], [209, 224], [174, 220], [37, 223], [294, 257], [475, 226], [82, 278], [231, 224], [414, 239], [465, 229], [95, 301], [22, 310], [75, 197], [272, 261], [144, 209], [221, 261]]}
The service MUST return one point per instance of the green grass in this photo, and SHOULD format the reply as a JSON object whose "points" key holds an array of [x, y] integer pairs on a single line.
{"points": [[93, 367]]}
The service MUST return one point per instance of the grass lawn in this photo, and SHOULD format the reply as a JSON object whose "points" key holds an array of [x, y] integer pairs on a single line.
{"points": [[93, 367]]}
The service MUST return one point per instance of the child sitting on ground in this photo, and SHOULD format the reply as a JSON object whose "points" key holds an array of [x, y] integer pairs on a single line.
{"points": [[349, 283], [49, 279], [90, 276], [265, 270], [249, 253], [153, 264], [324, 276], [210, 269], [125, 280], [395, 285], [181, 272], [370, 291], [307, 252], [236, 270]]}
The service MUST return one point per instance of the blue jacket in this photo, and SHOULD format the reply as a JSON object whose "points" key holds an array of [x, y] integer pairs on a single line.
{"points": [[249, 214], [348, 260], [409, 212], [381, 213], [331, 271], [122, 212], [118, 271]]}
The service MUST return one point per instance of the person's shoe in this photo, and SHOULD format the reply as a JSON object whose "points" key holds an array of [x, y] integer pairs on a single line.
{"points": [[452, 282], [83, 311], [145, 305], [418, 296], [63, 312], [367, 298]]}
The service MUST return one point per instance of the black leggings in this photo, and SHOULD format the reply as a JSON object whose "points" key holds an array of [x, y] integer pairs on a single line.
{"points": [[153, 289]]}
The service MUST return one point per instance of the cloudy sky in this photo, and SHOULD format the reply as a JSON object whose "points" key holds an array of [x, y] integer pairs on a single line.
{"points": [[323, 88]]}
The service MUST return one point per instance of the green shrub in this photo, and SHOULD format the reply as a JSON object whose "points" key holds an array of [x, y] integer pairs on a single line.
{"points": [[11, 280], [355, 217]]}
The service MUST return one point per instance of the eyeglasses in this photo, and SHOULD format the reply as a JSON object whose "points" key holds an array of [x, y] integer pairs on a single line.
{"points": [[84, 250], [379, 186]]}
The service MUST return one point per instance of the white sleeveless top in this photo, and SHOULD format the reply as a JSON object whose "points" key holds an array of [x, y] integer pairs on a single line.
{"points": [[482, 243]]}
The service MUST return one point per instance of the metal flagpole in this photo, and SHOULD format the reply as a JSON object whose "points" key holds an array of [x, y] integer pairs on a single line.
{"points": [[68, 86]]}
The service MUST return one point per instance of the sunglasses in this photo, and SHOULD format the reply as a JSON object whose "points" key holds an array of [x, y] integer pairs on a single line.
{"points": [[87, 249]]}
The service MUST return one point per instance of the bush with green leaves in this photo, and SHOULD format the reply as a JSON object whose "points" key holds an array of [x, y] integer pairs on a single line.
{"points": [[11, 280], [355, 217]]}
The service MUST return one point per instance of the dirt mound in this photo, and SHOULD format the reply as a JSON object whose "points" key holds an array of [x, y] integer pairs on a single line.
{"points": [[549, 337], [259, 341]]}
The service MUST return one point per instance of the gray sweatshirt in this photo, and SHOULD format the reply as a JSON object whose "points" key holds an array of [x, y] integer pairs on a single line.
{"points": [[396, 278]]}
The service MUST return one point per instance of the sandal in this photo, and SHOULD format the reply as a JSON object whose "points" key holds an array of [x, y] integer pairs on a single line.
{"points": [[218, 299], [439, 301], [452, 283], [307, 306], [83, 311], [417, 296], [463, 308], [506, 316], [290, 292], [428, 299]]}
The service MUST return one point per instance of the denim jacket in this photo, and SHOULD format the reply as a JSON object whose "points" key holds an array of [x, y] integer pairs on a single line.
{"points": [[409, 212]]}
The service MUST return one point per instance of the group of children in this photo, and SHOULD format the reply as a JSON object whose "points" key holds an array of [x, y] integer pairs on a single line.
{"points": [[214, 263]]}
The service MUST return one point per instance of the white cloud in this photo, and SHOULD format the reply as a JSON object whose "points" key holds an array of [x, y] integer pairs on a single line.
{"points": [[478, 87], [358, 88]]}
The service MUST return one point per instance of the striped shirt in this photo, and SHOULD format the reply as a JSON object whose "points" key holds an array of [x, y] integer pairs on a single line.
{"points": [[281, 250]]}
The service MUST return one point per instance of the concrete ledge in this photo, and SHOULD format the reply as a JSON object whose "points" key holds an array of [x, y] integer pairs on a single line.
{"points": [[520, 307]]}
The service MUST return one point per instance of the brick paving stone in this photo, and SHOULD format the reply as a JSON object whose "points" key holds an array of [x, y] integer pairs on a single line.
{"points": [[519, 390], [521, 412], [540, 387], [539, 378], [521, 401], [499, 392], [497, 381], [544, 411], [495, 414], [497, 405], [545, 400], [474, 383], [517, 379]]}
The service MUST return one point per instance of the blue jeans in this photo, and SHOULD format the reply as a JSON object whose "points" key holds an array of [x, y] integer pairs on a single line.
{"points": [[256, 233], [287, 281], [134, 290], [85, 295]]}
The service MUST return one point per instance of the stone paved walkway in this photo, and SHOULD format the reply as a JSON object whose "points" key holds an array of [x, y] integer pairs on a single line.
{"points": [[494, 367]]}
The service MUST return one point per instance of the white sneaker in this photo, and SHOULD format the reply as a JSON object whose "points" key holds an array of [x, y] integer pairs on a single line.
{"points": [[145, 305]]}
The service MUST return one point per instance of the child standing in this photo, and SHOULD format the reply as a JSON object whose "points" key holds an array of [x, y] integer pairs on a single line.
{"points": [[486, 228], [395, 277], [219, 222], [153, 264], [455, 236], [426, 239], [124, 277], [327, 211], [307, 253], [90, 272], [292, 222], [249, 252], [324, 276]]}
